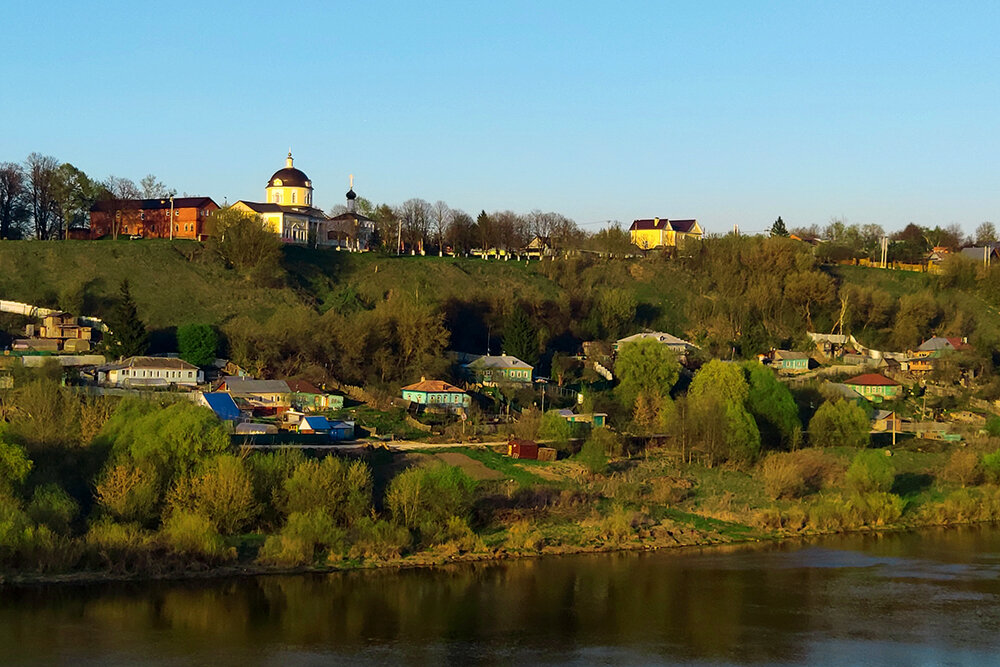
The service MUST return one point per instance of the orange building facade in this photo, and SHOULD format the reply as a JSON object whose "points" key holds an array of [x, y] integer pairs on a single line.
{"points": [[152, 218]]}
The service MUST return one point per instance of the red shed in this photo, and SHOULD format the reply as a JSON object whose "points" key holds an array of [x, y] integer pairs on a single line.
{"points": [[522, 449]]}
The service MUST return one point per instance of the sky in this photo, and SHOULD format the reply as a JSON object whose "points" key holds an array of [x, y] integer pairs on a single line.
{"points": [[729, 112]]}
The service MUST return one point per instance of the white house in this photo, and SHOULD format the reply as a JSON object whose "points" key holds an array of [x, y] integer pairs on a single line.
{"points": [[151, 372]]}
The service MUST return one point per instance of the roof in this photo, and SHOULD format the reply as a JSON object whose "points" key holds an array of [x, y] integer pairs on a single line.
{"points": [[152, 204], [270, 207], [883, 414], [350, 217], [871, 380], [237, 385], [433, 386], [941, 343], [659, 336], [167, 363], [790, 355], [252, 428], [493, 361], [683, 226], [316, 423], [842, 390], [222, 404], [290, 178], [303, 387]]}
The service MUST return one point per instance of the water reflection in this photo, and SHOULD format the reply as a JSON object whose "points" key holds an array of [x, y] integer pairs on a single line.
{"points": [[863, 598]]}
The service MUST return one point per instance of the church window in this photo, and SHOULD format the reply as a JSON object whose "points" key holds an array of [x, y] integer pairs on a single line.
{"points": [[277, 182], [277, 197], [294, 196]]}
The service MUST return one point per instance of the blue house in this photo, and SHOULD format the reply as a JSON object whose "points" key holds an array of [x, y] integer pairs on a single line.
{"points": [[221, 404]]}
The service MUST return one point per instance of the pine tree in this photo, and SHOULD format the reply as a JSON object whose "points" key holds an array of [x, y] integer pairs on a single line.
{"points": [[128, 336], [778, 228], [520, 338]]}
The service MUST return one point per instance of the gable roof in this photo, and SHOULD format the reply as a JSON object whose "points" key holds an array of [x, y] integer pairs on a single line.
{"points": [[843, 390], [789, 355], [493, 361], [106, 205], [942, 343], [315, 423], [433, 386], [243, 386], [871, 380], [683, 226], [658, 336], [222, 404], [303, 387], [271, 207], [161, 363]]}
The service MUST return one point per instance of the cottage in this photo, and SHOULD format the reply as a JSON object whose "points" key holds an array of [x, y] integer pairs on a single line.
{"points": [[221, 404], [493, 370], [438, 394], [874, 387], [314, 424], [337, 430], [923, 359], [887, 421], [678, 345], [788, 360], [663, 233], [522, 449], [309, 398], [272, 394], [150, 372]]}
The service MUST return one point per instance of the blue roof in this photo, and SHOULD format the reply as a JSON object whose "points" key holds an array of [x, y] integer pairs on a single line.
{"points": [[315, 424], [222, 405]]}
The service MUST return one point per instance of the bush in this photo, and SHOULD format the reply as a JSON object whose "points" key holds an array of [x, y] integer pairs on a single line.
{"points": [[963, 468], [870, 471], [269, 472], [424, 499], [341, 490], [617, 525], [796, 474], [557, 429], [14, 465], [991, 466], [128, 493], [524, 536], [119, 547], [993, 427], [302, 536], [197, 343], [194, 535], [374, 538], [223, 494], [593, 455], [53, 507]]}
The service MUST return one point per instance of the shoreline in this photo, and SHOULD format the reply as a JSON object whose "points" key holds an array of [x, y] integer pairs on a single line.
{"points": [[427, 560]]}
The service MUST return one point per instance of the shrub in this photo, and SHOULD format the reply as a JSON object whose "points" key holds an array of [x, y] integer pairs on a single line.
{"points": [[197, 343], [223, 493], [25, 545], [870, 471], [795, 474], [374, 538], [118, 546], [617, 524], [302, 536], [269, 472], [991, 466], [963, 468], [993, 427], [341, 490], [52, 507], [593, 455], [191, 534], [426, 497], [877, 508], [128, 493], [524, 536], [840, 423], [14, 465]]}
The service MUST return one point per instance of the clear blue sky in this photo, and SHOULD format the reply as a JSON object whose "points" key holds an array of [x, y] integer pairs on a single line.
{"points": [[731, 112]]}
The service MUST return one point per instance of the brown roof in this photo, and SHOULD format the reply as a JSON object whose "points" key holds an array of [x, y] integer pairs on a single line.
{"points": [[683, 226], [290, 177], [270, 207], [872, 380], [303, 387], [169, 363], [432, 386], [153, 204]]}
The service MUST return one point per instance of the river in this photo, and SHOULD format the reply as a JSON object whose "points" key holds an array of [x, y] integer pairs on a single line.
{"points": [[928, 597]]}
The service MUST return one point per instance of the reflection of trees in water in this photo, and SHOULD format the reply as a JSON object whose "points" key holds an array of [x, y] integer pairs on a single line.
{"points": [[751, 604]]}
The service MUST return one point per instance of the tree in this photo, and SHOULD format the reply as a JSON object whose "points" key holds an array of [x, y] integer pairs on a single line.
{"points": [[41, 173], [152, 188], [415, 216], [12, 198], [645, 366], [520, 338], [717, 396], [870, 472], [442, 220], [772, 406], [74, 193], [117, 191], [244, 241], [985, 234], [839, 424], [461, 233], [197, 343], [128, 336], [616, 307], [807, 289], [778, 228]]}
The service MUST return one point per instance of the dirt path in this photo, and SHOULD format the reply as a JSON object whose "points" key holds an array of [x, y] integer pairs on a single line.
{"points": [[475, 469]]}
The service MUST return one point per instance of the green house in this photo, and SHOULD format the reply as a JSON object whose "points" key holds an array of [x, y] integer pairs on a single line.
{"points": [[503, 369], [875, 387], [787, 360], [436, 394]]}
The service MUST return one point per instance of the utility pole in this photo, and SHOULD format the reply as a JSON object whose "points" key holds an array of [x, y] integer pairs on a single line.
{"points": [[399, 236], [171, 217]]}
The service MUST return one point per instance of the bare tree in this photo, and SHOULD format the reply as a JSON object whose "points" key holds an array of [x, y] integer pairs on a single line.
{"points": [[12, 192], [461, 234], [415, 215], [41, 172], [442, 219], [985, 234], [117, 192], [152, 188]]}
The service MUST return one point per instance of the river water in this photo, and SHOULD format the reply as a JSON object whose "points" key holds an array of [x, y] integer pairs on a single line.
{"points": [[927, 597]]}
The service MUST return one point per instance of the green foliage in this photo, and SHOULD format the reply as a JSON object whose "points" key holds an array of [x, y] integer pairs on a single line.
{"points": [[796, 474], [128, 335], [645, 366], [422, 499], [720, 380], [773, 407], [557, 428], [197, 343], [14, 465], [119, 547], [128, 493], [303, 536], [194, 535], [778, 228], [870, 471], [992, 427], [51, 506], [991, 466], [721, 424], [342, 491], [375, 538], [593, 454], [47, 418], [269, 471], [245, 242], [839, 423], [520, 338], [616, 308], [222, 493]]}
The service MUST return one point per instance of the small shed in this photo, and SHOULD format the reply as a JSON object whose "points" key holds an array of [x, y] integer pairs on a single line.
{"points": [[522, 449]]}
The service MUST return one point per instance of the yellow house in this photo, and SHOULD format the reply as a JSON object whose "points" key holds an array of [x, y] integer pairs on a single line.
{"points": [[663, 233], [288, 206]]}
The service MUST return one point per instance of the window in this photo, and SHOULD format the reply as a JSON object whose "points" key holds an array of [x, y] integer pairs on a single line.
{"points": [[277, 197], [294, 196]]}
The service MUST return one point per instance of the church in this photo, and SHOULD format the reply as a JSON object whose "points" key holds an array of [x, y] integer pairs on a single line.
{"points": [[289, 212]]}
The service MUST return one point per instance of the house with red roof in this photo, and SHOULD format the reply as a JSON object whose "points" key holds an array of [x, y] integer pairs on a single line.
{"points": [[922, 359], [437, 394], [874, 387], [649, 233]]}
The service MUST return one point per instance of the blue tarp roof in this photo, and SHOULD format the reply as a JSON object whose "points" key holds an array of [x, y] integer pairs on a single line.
{"points": [[222, 404]]}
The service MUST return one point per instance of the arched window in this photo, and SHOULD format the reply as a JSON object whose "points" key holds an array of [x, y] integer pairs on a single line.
{"points": [[277, 197], [294, 196]]}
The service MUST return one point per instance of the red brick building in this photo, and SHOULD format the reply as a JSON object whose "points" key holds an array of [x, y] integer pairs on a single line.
{"points": [[151, 218]]}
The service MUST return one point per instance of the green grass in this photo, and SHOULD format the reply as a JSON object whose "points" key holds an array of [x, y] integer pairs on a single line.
{"points": [[510, 468]]}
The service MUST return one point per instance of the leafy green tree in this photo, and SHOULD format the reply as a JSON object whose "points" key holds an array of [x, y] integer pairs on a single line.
{"points": [[722, 380], [341, 490], [870, 471], [645, 366], [197, 343], [592, 454], [520, 338], [778, 228], [128, 336], [424, 499], [14, 465], [808, 290], [717, 397], [839, 424], [245, 242], [772, 406], [616, 307]]}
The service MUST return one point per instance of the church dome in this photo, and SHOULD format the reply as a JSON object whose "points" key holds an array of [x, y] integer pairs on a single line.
{"points": [[351, 194], [289, 177]]}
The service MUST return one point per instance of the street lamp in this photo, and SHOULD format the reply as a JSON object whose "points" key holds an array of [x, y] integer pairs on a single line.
{"points": [[171, 217]]}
